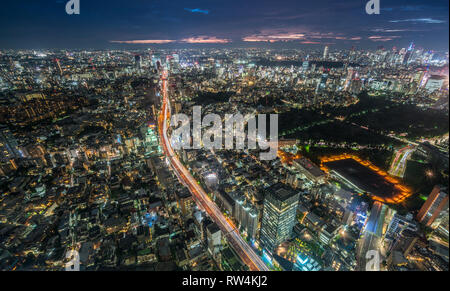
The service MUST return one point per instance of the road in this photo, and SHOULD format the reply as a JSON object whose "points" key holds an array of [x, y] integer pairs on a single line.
{"points": [[370, 238], [398, 165], [367, 242], [245, 252]]}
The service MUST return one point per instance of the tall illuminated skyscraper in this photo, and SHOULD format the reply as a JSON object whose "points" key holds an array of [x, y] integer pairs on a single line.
{"points": [[436, 203], [325, 53], [137, 62], [280, 207], [305, 64], [408, 54], [322, 83]]}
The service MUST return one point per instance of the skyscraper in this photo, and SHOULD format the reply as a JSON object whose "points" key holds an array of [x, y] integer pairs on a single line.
{"points": [[398, 224], [305, 64], [325, 53], [323, 82], [137, 62], [436, 203], [441, 223], [408, 54], [349, 78], [246, 216], [252, 222], [280, 207], [214, 237]]}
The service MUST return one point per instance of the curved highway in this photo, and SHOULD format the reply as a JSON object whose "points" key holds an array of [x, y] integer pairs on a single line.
{"points": [[245, 252]]}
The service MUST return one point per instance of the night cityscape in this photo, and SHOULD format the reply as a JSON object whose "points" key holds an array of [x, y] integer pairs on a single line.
{"points": [[224, 136]]}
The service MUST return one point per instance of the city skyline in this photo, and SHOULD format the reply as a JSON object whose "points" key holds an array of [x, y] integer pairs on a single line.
{"points": [[224, 136]]}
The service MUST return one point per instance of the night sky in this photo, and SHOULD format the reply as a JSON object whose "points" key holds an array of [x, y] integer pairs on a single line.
{"points": [[223, 23]]}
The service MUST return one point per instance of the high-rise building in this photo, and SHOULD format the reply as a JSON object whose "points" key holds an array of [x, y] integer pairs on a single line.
{"points": [[59, 66], [246, 216], [305, 64], [436, 204], [280, 207], [155, 59], [325, 53], [398, 224], [322, 83], [137, 62], [408, 54], [246, 207], [441, 224], [349, 78], [185, 202], [214, 236], [252, 222], [238, 211]]}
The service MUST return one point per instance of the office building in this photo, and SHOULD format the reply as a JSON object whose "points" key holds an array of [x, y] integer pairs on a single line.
{"points": [[246, 216], [214, 236], [436, 203], [398, 224], [325, 53], [279, 213]]}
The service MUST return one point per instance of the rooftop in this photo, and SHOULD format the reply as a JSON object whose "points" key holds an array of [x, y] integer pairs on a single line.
{"points": [[365, 179], [310, 167]]}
